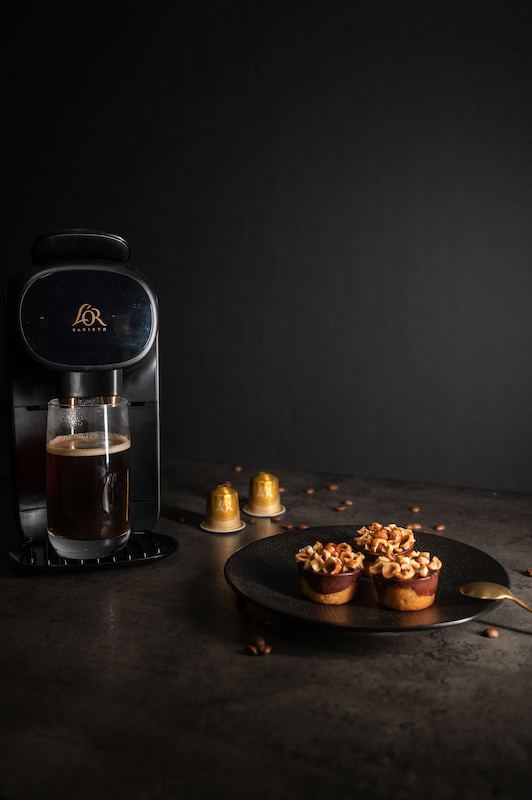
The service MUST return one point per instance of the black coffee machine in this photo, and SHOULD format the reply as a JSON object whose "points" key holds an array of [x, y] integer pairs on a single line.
{"points": [[82, 323]]}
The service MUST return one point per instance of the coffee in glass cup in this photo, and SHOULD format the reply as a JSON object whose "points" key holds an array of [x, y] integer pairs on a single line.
{"points": [[88, 477]]}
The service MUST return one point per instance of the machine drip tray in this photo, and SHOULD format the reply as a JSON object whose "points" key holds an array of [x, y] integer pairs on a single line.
{"points": [[38, 555]]}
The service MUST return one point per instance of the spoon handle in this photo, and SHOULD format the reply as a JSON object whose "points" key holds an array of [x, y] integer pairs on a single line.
{"points": [[517, 600]]}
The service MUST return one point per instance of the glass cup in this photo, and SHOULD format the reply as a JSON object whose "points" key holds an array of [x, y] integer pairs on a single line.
{"points": [[87, 477]]}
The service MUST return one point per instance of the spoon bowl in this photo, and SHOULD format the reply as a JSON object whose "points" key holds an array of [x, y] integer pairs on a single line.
{"points": [[484, 590]]}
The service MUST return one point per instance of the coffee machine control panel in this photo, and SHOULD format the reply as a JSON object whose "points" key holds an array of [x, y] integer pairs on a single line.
{"points": [[77, 318]]}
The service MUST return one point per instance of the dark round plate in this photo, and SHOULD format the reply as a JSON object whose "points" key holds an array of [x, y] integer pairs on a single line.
{"points": [[265, 573]]}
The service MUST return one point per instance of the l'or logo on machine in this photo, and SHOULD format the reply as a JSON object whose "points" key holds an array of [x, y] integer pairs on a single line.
{"points": [[89, 316]]}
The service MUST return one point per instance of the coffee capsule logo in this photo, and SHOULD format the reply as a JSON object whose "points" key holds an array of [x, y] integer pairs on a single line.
{"points": [[88, 319], [264, 490], [224, 504]]}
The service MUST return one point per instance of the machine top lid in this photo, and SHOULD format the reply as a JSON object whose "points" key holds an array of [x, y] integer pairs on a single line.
{"points": [[79, 243]]}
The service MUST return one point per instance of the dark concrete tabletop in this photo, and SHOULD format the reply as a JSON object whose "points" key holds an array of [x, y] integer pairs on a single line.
{"points": [[133, 683]]}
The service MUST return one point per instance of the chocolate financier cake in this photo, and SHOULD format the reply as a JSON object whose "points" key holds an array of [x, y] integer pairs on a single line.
{"points": [[329, 573], [383, 540], [406, 583]]}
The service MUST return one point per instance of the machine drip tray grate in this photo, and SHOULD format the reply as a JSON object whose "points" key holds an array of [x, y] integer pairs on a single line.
{"points": [[142, 548]]}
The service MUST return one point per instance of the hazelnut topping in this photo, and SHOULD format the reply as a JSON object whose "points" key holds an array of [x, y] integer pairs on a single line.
{"points": [[386, 540], [331, 559], [416, 565]]}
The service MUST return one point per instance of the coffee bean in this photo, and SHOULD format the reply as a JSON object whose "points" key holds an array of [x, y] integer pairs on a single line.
{"points": [[348, 502], [257, 641], [340, 508], [491, 633], [416, 526], [439, 528], [266, 650], [415, 509], [238, 469], [309, 491], [302, 527], [410, 527], [281, 489], [288, 526], [252, 521], [226, 483], [529, 571], [251, 650], [275, 519], [333, 487]]}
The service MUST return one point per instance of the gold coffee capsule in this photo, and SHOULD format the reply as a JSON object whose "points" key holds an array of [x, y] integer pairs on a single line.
{"points": [[263, 498], [223, 512]]}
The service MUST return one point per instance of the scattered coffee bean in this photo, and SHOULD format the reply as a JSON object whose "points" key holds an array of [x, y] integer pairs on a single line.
{"points": [[410, 527], [340, 508], [257, 646], [416, 526], [415, 509], [252, 521], [288, 526], [439, 528], [238, 469], [281, 489], [309, 491], [529, 571], [491, 633], [275, 519], [302, 527], [333, 487], [226, 483], [348, 502]]}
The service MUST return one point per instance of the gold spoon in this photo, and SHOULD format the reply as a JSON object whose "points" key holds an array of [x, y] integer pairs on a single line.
{"points": [[490, 591]]}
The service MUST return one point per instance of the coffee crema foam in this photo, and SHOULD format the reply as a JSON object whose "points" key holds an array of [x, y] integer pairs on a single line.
{"points": [[87, 444]]}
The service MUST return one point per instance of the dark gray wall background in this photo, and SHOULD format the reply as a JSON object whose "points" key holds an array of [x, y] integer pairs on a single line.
{"points": [[333, 202]]}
